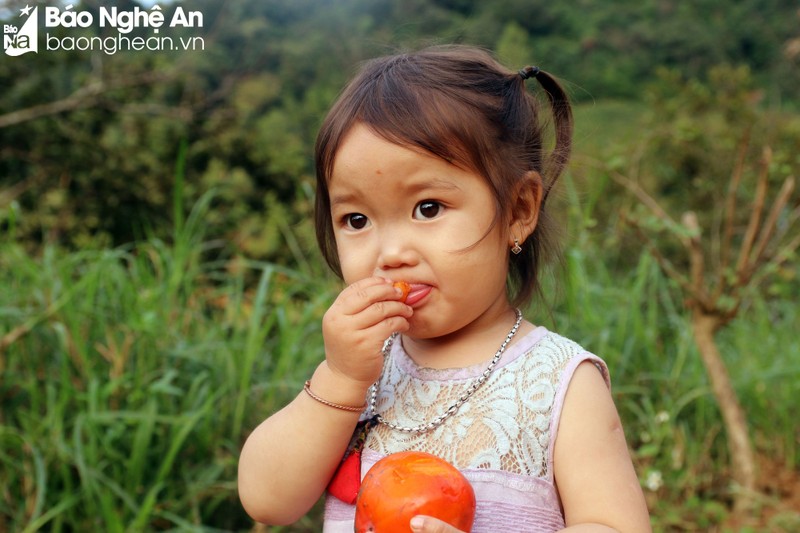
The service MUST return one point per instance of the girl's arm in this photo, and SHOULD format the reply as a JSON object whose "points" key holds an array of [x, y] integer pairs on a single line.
{"points": [[288, 460], [593, 469]]}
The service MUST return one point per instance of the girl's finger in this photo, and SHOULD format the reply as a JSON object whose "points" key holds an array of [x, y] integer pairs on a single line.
{"points": [[378, 320], [364, 293], [427, 524]]}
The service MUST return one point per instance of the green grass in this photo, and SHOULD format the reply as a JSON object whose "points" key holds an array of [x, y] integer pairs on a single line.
{"points": [[134, 375], [134, 378]]}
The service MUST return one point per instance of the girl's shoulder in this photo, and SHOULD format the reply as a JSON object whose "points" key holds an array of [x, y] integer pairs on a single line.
{"points": [[551, 356]]}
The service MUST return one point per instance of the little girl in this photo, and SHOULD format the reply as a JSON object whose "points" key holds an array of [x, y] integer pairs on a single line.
{"points": [[432, 170]]}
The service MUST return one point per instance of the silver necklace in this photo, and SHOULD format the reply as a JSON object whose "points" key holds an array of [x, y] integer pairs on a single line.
{"points": [[450, 411]]}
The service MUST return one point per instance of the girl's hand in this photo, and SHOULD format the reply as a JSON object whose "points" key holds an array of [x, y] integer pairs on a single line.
{"points": [[354, 328], [428, 524]]}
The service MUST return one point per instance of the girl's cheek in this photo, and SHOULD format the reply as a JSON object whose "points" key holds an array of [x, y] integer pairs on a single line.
{"points": [[354, 266]]}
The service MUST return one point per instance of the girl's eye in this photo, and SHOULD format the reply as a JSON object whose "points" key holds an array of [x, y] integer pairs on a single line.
{"points": [[356, 221], [428, 209]]}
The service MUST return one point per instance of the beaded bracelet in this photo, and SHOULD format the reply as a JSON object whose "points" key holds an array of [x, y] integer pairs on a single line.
{"points": [[307, 388]]}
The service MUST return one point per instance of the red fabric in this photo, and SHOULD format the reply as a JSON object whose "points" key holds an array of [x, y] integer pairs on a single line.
{"points": [[347, 479]]}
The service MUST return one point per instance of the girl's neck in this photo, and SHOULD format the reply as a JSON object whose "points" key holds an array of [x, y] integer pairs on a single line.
{"points": [[473, 344]]}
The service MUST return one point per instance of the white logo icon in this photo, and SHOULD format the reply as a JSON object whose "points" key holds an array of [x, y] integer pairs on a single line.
{"points": [[24, 39]]}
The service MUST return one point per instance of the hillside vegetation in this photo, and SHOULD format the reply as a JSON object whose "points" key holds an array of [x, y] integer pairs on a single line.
{"points": [[161, 291]]}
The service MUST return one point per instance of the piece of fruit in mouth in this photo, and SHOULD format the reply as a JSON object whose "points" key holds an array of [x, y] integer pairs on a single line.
{"points": [[404, 287]]}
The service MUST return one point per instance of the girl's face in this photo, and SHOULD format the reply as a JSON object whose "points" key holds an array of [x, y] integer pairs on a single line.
{"points": [[406, 215]]}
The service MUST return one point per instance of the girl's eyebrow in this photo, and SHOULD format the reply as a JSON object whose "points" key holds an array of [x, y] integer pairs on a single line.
{"points": [[435, 184], [343, 198]]}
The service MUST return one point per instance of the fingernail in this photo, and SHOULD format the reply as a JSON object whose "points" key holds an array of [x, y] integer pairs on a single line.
{"points": [[417, 523]]}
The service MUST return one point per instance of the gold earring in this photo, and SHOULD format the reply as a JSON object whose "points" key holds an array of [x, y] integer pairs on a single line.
{"points": [[516, 249]]}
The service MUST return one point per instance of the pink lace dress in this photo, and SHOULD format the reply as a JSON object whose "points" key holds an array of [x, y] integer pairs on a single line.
{"points": [[501, 439]]}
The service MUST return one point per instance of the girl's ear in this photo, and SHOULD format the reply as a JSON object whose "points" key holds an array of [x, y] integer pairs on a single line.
{"points": [[525, 210]]}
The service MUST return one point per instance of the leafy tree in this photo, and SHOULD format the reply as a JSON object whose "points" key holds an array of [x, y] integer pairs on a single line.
{"points": [[729, 239]]}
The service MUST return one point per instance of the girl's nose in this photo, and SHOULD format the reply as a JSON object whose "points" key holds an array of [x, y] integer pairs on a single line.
{"points": [[396, 251]]}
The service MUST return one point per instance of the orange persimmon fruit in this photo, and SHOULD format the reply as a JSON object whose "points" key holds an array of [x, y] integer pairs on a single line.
{"points": [[404, 287], [403, 485]]}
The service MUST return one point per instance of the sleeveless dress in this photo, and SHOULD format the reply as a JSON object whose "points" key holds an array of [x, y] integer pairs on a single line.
{"points": [[502, 439]]}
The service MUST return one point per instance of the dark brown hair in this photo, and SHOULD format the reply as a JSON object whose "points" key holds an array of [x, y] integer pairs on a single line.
{"points": [[460, 104]]}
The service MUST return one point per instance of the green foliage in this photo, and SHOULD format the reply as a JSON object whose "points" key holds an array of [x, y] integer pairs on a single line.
{"points": [[136, 373], [682, 147], [513, 45], [248, 103]]}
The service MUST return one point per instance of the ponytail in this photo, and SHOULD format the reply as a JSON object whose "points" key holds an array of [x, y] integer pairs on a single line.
{"points": [[562, 123]]}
